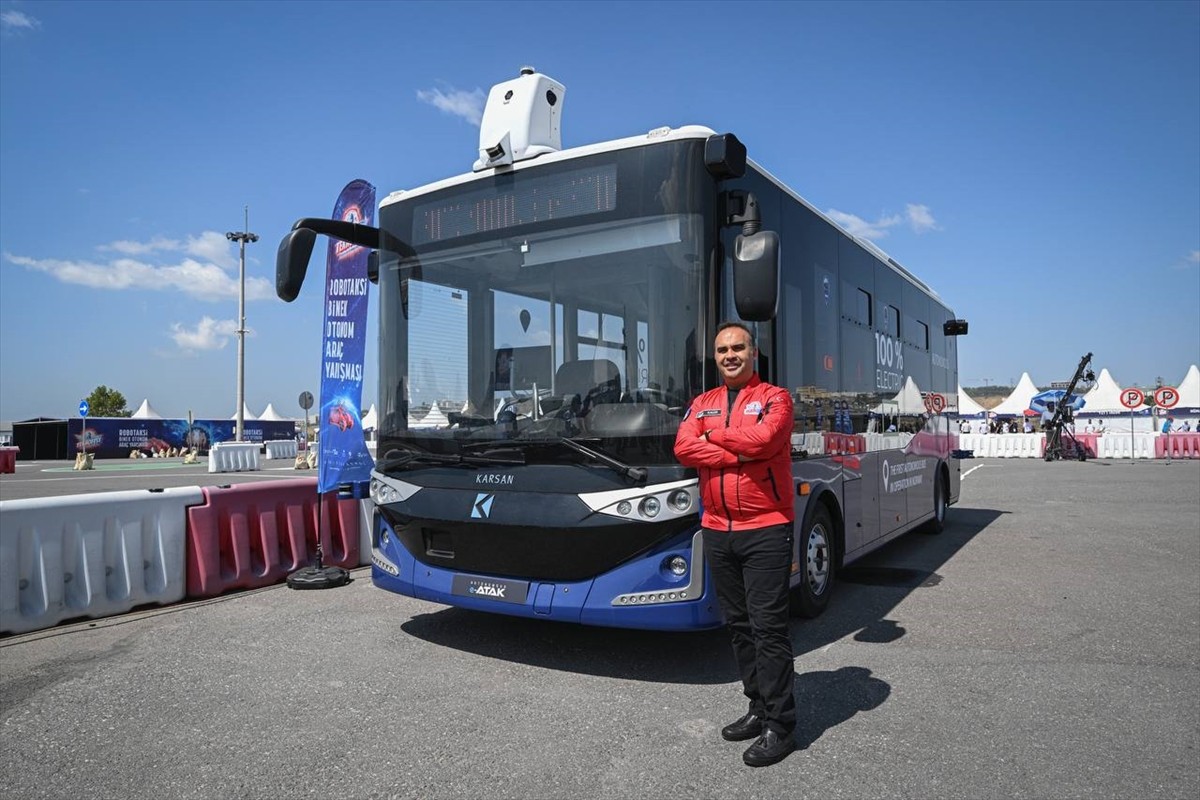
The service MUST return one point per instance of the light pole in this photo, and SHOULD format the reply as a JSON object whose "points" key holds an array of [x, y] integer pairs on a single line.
{"points": [[241, 238]]}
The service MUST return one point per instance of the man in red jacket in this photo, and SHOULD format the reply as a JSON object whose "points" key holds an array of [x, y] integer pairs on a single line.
{"points": [[738, 437]]}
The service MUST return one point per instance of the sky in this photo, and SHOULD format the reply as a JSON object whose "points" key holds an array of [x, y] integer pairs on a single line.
{"points": [[1037, 164]]}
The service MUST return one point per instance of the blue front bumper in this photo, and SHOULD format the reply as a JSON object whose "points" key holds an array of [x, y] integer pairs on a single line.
{"points": [[641, 593]]}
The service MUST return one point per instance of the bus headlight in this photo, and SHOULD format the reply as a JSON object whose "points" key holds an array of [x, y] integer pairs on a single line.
{"points": [[382, 494], [680, 500], [678, 565], [645, 504]]}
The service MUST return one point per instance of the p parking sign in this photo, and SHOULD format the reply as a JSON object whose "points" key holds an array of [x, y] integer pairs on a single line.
{"points": [[1166, 396]]}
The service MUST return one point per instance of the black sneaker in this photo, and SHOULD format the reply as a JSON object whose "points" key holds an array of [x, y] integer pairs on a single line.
{"points": [[748, 727], [769, 749]]}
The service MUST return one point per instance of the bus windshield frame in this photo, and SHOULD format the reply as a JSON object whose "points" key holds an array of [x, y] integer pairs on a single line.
{"points": [[557, 301]]}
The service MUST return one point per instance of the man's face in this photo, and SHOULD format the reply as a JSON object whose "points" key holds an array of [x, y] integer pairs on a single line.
{"points": [[735, 356]]}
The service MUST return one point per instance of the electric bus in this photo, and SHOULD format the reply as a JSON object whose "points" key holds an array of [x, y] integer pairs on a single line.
{"points": [[544, 322]]}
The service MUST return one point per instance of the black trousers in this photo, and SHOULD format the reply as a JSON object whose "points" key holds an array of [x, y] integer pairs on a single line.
{"points": [[750, 571]]}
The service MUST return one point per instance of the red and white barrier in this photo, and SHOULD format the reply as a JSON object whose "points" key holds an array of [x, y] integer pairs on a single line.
{"points": [[91, 555], [1177, 445], [253, 535]]}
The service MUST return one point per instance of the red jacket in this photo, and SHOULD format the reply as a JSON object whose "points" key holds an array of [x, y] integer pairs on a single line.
{"points": [[741, 495]]}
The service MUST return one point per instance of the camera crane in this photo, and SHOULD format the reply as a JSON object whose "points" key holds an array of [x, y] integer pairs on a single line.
{"points": [[1062, 415]]}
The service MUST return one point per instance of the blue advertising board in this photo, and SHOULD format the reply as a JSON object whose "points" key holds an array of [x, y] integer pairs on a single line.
{"points": [[114, 437]]}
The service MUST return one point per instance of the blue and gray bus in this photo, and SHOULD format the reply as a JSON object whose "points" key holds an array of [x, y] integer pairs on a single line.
{"points": [[544, 322]]}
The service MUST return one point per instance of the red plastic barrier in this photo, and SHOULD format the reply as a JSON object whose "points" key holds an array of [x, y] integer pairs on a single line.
{"points": [[8, 459], [844, 443], [1090, 442], [1182, 445], [255, 534]]}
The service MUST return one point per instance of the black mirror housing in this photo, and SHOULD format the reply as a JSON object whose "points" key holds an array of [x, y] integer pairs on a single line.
{"points": [[291, 262], [756, 275], [955, 327]]}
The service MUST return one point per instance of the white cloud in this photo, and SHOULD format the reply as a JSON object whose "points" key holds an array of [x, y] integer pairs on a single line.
{"points": [[468, 105], [203, 281], [1190, 261], [209, 334], [209, 246], [18, 21], [920, 219], [857, 226]]}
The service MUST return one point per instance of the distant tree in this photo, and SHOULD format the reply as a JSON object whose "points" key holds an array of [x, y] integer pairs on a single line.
{"points": [[106, 402]]}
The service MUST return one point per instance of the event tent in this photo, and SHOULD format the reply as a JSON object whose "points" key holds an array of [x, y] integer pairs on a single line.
{"points": [[967, 407], [146, 411], [246, 413], [1104, 397], [434, 419], [1015, 404], [269, 413], [1189, 392], [370, 420]]}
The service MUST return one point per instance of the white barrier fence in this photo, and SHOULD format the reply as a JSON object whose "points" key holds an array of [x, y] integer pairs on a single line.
{"points": [[1138, 445], [281, 449], [91, 555], [233, 457]]}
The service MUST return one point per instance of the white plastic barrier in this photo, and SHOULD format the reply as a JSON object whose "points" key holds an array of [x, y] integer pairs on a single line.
{"points": [[814, 443], [1116, 445], [233, 457], [366, 510], [91, 555], [281, 449]]}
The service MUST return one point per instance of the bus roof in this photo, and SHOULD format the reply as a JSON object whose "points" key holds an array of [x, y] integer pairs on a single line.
{"points": [[663, 134]]}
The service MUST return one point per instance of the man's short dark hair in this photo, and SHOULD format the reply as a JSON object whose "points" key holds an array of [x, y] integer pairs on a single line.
{"points": [[743, 326]]}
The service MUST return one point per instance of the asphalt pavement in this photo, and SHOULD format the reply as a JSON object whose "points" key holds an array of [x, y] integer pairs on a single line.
{"points": [[1046, 645]]}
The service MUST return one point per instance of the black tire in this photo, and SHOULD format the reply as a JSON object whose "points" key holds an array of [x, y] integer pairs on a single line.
{"points": [[818, 565], [941, 494]]}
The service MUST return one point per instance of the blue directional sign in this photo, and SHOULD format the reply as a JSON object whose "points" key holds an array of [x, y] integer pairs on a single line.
{"points": [[83, 408]]}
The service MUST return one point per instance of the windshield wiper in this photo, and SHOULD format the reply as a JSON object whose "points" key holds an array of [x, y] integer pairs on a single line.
{"points": [[633, 473], [412, 454]]}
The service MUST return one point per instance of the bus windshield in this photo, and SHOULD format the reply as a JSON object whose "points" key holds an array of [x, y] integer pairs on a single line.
{"points": [[580, 329]]}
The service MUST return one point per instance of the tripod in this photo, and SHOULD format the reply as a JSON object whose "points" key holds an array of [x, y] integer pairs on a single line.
{"points": [[1062, 415]]}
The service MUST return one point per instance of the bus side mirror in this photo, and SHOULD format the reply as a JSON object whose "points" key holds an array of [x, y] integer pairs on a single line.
{"points": [[291, 262], [756, 275], [955, 327], [373, 267]]}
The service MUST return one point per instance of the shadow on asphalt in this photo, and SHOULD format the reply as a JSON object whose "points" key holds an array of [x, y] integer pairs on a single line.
{"points": [[867, 592]]}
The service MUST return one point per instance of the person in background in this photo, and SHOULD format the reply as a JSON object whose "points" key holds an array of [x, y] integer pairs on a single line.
{"points": [[1166, 426], [1028, 426], [738, 437], [1186, 427]]}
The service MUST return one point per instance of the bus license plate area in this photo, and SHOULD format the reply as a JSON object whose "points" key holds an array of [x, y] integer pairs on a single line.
{"points": [[500, 590]]}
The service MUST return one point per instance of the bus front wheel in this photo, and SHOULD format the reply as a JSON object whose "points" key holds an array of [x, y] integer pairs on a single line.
{"points": [[941, 494], [817, 566]]}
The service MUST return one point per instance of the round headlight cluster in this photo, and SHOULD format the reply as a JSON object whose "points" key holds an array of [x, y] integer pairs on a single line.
{"points": [[678, 565], [680, 500], [624, 507], [381, 493], [650, 507]]}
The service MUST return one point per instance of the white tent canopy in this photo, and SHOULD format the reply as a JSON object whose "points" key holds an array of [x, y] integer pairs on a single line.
{"points": [[434, 419], [1104, 398], [370, 420], [146, 411], [269, 413], [967, 407], [1016, 403], [1189, 389], [246, 413]]}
